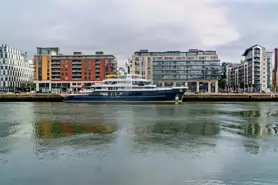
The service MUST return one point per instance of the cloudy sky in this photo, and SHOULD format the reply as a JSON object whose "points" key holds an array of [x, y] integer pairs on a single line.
{"points": [[120, 27]]}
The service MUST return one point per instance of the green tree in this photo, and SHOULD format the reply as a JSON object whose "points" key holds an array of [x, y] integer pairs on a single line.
{"points": [[222, 83], [272, 88], [24, 85], [27, 86], [241, 85]]}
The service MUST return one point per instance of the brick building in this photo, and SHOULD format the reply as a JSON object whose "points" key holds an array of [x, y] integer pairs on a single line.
{"points": [[60, 73]]}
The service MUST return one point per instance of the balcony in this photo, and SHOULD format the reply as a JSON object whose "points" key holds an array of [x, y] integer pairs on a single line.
{"points": [[55, 75], [76, 67], [76, 62], [77, 74], [77, 71], [55, 67]]}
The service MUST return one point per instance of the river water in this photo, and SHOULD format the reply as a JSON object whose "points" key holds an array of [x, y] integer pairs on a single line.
{"points": [[191, 144]]}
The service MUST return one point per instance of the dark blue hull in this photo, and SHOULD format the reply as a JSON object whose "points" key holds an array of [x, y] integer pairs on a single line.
{"points": [[131, 97]]}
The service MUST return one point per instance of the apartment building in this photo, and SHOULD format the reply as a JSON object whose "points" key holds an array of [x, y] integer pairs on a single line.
{"points": [[15, 69], [224, 69], [255, 73], [197, 69], [236, 74], [275, 71], [60, 73], [43, 62]]}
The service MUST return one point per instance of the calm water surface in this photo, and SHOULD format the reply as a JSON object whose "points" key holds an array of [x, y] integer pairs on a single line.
{"points": [[191, 144]]}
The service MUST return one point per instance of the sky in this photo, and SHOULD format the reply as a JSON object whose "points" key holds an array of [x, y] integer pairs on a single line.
{"points": [[120, 27]]}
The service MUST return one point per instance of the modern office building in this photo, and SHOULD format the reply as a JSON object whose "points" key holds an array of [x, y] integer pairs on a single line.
{"points": [[255, 73], [15, 69], [197, 69], [275, 71], [59, 73]]}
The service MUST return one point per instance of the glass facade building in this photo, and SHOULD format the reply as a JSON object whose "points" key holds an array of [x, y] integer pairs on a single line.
{"points": [[15, 69], [194, 68], [184, 69]]}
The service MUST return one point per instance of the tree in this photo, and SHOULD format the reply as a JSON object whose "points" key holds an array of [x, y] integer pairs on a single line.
{"points": [[272, 88], [24, 85], [222, 83], [241, 85], [27, 86]]}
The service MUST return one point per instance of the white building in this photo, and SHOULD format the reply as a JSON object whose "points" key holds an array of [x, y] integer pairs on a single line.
{"points": [[15, 68], [255, 73]]}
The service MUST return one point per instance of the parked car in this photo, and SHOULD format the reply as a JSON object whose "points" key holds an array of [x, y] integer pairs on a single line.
{"points": [[17, 92], [32, 92]]}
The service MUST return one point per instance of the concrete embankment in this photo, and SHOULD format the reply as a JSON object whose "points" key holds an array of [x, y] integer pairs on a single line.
{"points": [[230, 97], [187, 97], [31, 98]]}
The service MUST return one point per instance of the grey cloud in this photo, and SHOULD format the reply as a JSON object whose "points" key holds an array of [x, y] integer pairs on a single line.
{"points": [[256, 24], [91, 26]]}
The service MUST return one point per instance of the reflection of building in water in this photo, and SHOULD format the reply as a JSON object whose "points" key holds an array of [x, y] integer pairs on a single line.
{"points": [[16, 123], [52, 130], [253, 148], [52, 136], [255, 123]]}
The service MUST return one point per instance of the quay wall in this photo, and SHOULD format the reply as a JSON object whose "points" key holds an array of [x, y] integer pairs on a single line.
{"points": [[31, 98], [230, 97], [187, 97]]}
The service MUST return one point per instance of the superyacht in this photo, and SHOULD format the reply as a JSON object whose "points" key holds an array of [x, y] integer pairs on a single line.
{"points": [[128, 88]]}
